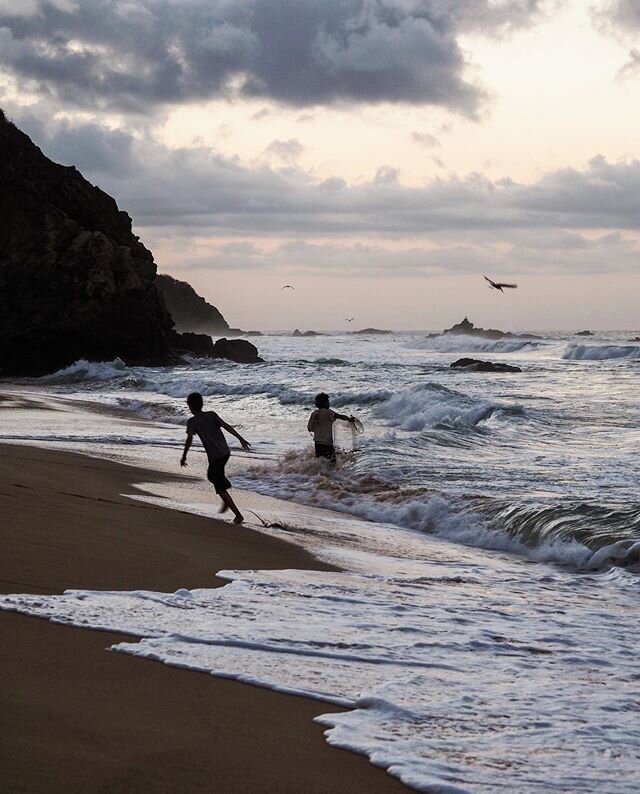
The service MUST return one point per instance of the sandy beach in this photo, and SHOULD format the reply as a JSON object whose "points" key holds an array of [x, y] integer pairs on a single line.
{"points": [[76, 718]]}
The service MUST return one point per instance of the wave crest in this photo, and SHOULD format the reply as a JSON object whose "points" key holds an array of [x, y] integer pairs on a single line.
{"points": [[600, 352], [460, 343]]}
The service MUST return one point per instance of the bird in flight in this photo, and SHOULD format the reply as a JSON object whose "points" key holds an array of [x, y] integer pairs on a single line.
{"points": [[500, 284], [287, 286], [349, 319]]}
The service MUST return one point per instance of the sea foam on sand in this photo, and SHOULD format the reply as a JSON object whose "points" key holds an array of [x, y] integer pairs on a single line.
{"points": [[460, 675]]}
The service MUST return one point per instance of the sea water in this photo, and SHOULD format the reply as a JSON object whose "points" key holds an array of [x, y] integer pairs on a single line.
{"points": [[482, 632]]}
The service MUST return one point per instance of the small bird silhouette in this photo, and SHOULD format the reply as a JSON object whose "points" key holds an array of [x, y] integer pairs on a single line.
{"points": [[349, 319], [499, 285], [287, 286]]}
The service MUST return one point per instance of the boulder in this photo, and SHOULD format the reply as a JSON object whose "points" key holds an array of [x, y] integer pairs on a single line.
{"points": [[584, 333], [371, 331], [194, 344], [75, 282], [483, 366], [305, 333], [238, 350]]}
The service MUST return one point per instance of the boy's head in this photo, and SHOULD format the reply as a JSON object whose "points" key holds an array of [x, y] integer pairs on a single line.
{"points": [[322, 400], [194, 401]]}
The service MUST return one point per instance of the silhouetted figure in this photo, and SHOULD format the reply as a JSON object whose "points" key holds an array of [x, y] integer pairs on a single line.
{"points": [[208, 426], [321, 425], [500, 284]]}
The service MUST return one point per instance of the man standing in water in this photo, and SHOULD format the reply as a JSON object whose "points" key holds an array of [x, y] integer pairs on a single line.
{"points": [[321, 425], [208, 426]]}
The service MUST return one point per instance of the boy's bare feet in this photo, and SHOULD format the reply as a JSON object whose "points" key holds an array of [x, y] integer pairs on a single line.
{"points": [[238, 519]]}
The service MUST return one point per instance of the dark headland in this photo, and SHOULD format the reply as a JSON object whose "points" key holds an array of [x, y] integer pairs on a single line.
{"points": [[75, 282]]}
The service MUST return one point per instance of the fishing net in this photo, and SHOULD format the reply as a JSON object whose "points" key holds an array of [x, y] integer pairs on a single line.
{"points": [[347, 433]]}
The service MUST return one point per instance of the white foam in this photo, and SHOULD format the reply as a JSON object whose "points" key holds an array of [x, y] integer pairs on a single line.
{"points": [[458, 679], [83, 370], [575, 352], [460, 343], [430, 405]]}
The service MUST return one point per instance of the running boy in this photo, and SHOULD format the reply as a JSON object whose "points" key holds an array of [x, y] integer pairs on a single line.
{"points": [[321, 425], [207, 425]]}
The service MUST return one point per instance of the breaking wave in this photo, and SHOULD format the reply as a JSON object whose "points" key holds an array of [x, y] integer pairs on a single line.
{"points": [[432, 405], [458, 343], [600, 352], [87, 371], [544, 535]]}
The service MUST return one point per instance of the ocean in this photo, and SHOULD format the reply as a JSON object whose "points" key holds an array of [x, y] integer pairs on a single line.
{"points": [[482, 632]]}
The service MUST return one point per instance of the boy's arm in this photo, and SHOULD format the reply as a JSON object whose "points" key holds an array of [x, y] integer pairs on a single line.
{"points": [[187, 444], [313, 422], [343, 417], [234, 432]]}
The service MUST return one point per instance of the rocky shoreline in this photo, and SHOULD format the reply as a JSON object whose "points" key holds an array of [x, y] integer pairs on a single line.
{"points": [[76, 283]]}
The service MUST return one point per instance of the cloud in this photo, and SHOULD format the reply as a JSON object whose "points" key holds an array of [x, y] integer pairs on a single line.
{"points": [[585, 220], [621, 20], [617, 17], [199, 186], [631, 68], [425, 139], [138, 55], [286, 152]]}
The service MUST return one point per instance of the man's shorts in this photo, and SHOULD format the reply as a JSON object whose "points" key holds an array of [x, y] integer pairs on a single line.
{"points": [[216, 475], [327, 451]]}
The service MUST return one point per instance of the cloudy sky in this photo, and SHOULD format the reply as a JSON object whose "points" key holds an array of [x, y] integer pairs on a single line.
{"points": [[379, 155]]}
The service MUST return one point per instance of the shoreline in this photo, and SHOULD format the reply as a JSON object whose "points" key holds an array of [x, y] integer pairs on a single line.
{"points": [[78, 719]]}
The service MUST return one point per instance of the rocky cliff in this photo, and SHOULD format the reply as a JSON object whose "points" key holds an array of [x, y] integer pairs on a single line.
{"points": [[74, 281], [190, 311]]}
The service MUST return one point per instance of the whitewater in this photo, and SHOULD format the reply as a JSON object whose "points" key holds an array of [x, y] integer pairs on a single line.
{"points": [[487, 526]]}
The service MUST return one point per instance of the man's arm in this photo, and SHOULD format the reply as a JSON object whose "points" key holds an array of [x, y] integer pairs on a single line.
{"points": [[187, 444], [234, 432]]}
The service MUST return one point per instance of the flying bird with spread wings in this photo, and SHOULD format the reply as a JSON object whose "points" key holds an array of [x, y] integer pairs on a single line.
{"points": [[287, 286], [500, 284], [349, 319]]}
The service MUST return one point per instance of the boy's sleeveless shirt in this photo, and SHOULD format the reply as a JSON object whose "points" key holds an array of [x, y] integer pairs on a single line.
{"points": [[206, 425]]}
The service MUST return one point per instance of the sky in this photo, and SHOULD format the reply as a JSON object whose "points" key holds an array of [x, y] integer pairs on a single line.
{"points": [[378, 155]]}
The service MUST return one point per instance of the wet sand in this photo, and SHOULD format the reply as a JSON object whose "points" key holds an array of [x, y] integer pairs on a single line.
{"points": [[76, 718]]}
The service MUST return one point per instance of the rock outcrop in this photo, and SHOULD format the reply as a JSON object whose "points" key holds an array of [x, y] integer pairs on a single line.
{"points": [[584, 333], [75, 282], [238, 350], [298, 332], [482, 366], [371, 331], [467, 328], [191, 313]]}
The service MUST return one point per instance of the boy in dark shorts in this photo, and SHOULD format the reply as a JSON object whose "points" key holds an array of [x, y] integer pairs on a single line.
{"points": [[207, 425], [321, 425]]}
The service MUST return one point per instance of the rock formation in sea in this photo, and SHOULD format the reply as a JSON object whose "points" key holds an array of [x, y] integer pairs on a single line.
{"points": [[298, 332], [584, 333], [467, 328], [75, 282], [483, 366], [371, 331], [191, 313]]}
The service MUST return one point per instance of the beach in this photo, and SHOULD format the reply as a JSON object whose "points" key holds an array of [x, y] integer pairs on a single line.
{"points": [[451, 601], [77, 718]]}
